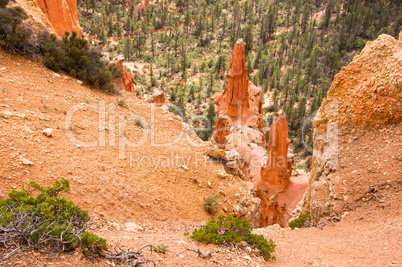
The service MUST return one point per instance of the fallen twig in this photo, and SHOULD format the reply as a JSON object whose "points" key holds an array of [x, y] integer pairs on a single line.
{"points": [[202, 255], [169, 239], [9, 255], [217, 262], [371, 190]]}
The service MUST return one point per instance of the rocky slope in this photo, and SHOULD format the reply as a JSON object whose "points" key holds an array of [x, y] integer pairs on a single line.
{"points": [[126, 160], [366, 94]]}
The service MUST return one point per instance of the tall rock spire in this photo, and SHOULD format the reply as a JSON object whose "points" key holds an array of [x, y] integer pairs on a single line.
{"points": [[240, 127], [240, 102], [278, 168]]}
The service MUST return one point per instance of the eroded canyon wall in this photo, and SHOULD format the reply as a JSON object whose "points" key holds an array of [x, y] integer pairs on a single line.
{"points": [[62, 14], [365, 95]]}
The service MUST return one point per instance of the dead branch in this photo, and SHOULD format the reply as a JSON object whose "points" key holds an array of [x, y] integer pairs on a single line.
{"points": [[202, 256], [169, 239], [370, 193], [217, 262]]}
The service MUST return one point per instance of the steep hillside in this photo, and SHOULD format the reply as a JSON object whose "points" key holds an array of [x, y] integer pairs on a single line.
{"points": [[164, 181]]}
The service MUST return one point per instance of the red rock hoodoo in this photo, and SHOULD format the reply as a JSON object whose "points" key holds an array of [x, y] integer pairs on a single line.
{"points": [[240, 102], [62, 14], [127, 81], [240, 127]]}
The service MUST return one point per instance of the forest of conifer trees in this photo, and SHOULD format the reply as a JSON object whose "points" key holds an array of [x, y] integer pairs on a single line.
{"points": [[294, 48]]}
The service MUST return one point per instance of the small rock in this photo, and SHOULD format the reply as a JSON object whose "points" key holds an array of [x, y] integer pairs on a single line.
{"points": [[133, 227], [79, 146], [243, 243], [247, 258], [48, 132], [240, 211], [26, 161], [79, 82], [171, 119], [56, 75], [209, 184], [184, 167], [223, 175], [216, 152], [2, 69], [231, 155], [181, 256], [237, 195], [165, 108]]}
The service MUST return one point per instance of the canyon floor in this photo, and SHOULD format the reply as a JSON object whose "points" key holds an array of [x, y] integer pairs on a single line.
{"points": [[152, 203]]}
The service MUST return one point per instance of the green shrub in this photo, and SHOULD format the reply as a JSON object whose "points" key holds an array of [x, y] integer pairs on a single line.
{"points": [[47, 221], [92, 244], [301, 221], [229, 230], [161, 248], [74, 56], [121, 102], [212, 203], [14, 35]]}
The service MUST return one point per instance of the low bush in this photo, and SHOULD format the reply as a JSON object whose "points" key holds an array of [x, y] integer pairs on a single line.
{"points": [[301, 221], [47, 221], [74, 56], [212, 203], [161, 248], [231, 230], [50, 222], [14, 35]]}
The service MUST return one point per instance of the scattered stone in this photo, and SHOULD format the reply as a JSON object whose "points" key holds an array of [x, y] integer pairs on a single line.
{"points": [[209, 184], [56, 75], [223, 175], [237, 195], [26, 161], [184, 167], [79, 82], [48, 132], [231, 155], [243, 243], [216, 152], [165, 108], [171, 119], [132, 227]]}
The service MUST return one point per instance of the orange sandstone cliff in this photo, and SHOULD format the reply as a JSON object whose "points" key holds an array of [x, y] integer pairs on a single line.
{"points": [[364, 96], [62, 14], [240, 127]]}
